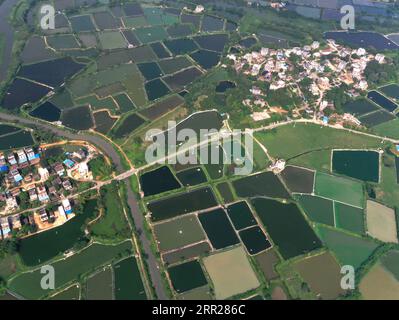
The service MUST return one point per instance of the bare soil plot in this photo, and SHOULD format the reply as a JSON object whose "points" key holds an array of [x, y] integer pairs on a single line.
{"points": [[322, 274], [279, 294], [267, 261], [231, 273], [298, 179], [379, 284], [381, 222], [202, 293]]}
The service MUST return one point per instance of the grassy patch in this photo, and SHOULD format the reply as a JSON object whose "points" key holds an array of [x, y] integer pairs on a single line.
{"points": [[113, 224]]}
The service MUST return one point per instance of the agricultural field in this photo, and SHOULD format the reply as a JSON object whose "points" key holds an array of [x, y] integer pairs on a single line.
{"points": [[178, 233], [135, 55], [319, 196], [310, 145], [28, 284], [379, 284], [72, 293], [322, 273], [340, 189], [223, 269], [381, 222], [349, 249]]}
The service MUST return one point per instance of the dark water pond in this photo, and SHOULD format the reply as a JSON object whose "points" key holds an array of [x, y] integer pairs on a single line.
{"points": [[156, 89], [181, 46], [131, 123], [78, 118], [22, 91], [210, 23], [382, 101], [376, 118], [362, 165], [128, 283], [223, 86], [218, 228], [158, 181], [16, 140], [183, 78], [192, 177], [187, 276], [248, 42], [287, 227], [103, 121], [206, 59], [262, 184], [182, 203], [363, 39], [6, 129], [214, 42], [160, 50], [254, 240], [241, 215], [46, 111], [150, 70], [360, 107], [52, 73]]}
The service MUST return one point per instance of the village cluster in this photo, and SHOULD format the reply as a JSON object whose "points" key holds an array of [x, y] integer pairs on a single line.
{"points": [[25, 179], [325, 67]]}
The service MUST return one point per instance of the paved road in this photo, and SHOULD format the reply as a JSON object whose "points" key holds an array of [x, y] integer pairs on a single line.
{"points": [[108, 149]]}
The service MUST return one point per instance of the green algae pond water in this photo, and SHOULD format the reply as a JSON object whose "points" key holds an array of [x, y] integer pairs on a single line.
{"points": [[362, 165], [46, 245], [128, 283]]}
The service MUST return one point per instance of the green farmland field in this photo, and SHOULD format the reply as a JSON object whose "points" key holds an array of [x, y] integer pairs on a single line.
{"points": [[339, 189], [28, 284], [318, 209], [349, 218], [295, 141], [350, 250]]}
